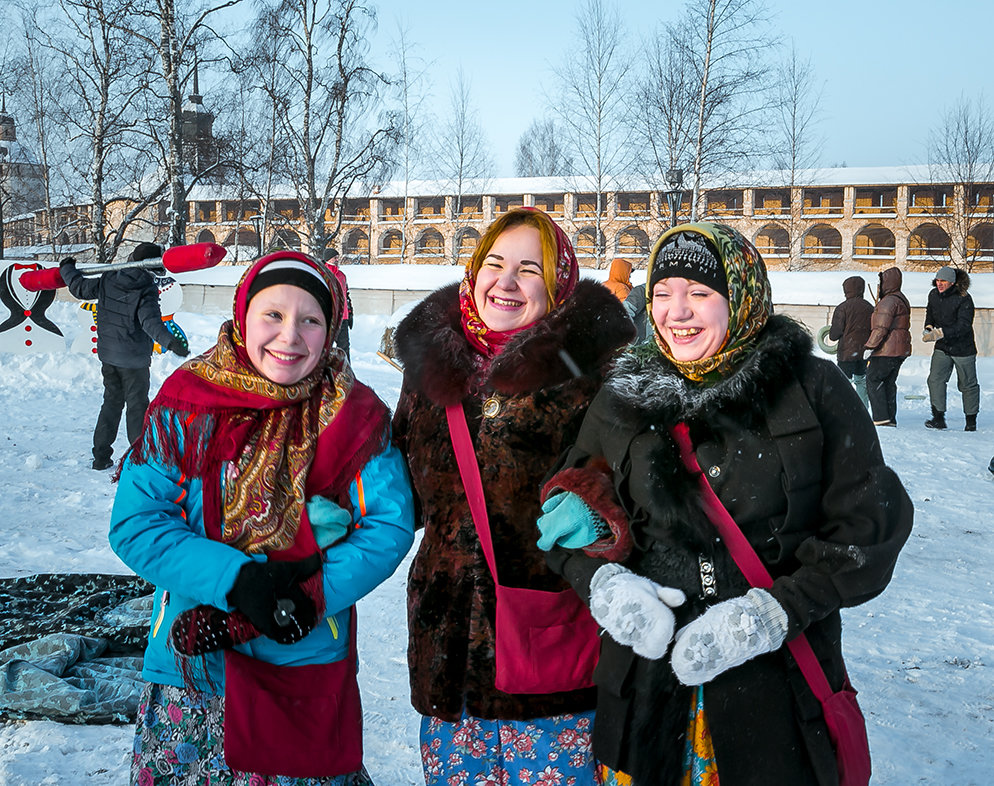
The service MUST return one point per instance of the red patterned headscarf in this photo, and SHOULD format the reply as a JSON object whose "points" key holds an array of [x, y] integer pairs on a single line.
{"points": [[560, 273], [277, 444]]}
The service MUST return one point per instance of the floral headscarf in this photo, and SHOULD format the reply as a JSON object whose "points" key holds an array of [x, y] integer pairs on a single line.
{"points": [[750, 303], [217, 409], [566, 274]]}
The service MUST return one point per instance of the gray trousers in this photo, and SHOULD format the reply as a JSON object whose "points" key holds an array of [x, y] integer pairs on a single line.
{"points": [[939, 371]]}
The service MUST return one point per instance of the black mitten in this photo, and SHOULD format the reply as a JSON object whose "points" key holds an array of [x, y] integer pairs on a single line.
{"points": [[67, 261], [271, 596], [178, 346]]}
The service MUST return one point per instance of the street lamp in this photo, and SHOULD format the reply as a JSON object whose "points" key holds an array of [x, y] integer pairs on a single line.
{"points": [[257, 223], [674, 178]]}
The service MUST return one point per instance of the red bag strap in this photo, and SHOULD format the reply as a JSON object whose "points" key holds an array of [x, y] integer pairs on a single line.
{"points": [[469, 471], [748, 560]]}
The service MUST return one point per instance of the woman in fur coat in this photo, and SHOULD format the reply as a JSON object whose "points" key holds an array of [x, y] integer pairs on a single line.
{"points": [[521, 346], [792, 455]]}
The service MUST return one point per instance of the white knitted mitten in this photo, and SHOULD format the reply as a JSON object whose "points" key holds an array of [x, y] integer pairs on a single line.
{"points": [[727, 635], [634, 610]]}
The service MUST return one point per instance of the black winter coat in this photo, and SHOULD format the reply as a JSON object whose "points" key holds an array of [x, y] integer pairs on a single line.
{"points": [[952, 311], [851, 321], [451, 596], [128, 316], [789, 449]]}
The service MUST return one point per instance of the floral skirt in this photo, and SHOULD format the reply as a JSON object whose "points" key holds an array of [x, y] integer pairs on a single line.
{"points": [[179, 741], [699, 765], [553, 751]]}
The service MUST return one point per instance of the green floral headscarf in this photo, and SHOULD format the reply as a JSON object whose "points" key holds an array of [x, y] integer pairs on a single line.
{"points": [[750, 304]]}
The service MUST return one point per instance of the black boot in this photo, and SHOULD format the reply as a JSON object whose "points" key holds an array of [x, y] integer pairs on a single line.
{"points": [[971, 423], [937, 421]]}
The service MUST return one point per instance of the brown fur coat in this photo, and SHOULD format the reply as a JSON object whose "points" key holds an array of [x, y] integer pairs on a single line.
{"points": [[451, 598]]}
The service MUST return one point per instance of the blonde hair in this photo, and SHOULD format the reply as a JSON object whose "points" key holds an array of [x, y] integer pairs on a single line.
{"points": [[531, 217]]}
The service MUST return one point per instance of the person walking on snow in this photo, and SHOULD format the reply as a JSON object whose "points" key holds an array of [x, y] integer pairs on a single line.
{"points": [[128, 322], [890, 344], [851, 328], [949, 323]]}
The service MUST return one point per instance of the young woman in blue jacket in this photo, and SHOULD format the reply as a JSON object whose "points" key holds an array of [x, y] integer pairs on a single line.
{"points": [[263, 500]]}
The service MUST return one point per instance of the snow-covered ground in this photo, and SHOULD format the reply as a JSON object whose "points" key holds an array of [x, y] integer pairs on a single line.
{"points": [[921, 654]]}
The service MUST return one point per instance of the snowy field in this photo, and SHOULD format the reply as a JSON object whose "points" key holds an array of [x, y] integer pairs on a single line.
{"points": [[920, 654]]}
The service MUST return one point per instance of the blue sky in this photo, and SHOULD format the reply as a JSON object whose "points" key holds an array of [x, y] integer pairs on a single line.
{"points": [[888, 67]]}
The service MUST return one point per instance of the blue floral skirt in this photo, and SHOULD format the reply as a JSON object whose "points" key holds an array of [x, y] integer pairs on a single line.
{"points": [[179, 740], [553, 751]]}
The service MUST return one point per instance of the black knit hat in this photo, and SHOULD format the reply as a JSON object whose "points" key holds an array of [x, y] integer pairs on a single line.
{"points": [[297, 274], [145, 251], [692, 256]]}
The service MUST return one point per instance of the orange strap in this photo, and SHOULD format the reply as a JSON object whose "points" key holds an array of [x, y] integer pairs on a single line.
{"points": [[362, 496]]}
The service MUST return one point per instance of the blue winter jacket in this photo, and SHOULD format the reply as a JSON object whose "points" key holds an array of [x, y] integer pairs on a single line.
{"points": [[157, 529]]}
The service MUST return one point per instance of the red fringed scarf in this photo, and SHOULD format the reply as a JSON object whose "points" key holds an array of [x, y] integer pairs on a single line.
{"points": [[277, 445]]}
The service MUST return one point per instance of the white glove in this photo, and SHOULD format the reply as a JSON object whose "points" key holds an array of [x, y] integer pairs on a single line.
{"points": [[634, 610], [727, 635]]}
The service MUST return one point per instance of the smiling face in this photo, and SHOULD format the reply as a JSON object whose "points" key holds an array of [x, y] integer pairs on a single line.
{"points": [[692, 318], [510, 291], [285, 333]]}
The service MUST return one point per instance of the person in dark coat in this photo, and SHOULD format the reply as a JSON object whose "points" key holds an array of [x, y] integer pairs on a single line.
{"points": [[635, 306], [522, 345], [792, 455], [949, 323], [889, 344], [129, 322], [342, 339], [851, 328]]}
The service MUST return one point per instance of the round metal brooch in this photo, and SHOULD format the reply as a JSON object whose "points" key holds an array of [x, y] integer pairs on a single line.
{"points": [[491, 407]]}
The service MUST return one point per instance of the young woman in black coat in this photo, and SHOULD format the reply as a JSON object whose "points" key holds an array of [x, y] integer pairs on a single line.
{"points": [[792, 455]]}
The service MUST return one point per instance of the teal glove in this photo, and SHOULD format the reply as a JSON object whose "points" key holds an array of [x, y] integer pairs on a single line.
{"points": [[329, 521], [569, 522]]}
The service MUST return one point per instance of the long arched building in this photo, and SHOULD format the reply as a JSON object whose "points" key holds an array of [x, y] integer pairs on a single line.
{"points": [[853, 218]]}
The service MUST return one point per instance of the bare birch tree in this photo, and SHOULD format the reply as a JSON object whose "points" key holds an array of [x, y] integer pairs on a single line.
{"points": [[591, 102], [410, 90], [726, 43], [961, 153], [327, 108], [103, 77], [540, 152], [795, 140], [178, 36], [664, 111], [461, 154]]}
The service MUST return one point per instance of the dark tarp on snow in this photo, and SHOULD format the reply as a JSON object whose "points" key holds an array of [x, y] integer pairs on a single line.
{"points": [[71, 646]]}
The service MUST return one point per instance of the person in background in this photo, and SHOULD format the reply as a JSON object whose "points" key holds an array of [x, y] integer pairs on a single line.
{"points": [[520, 347], [851, 328], [949, 324], [695, 685], [889, 344], [635, 306], [262, 499], [342, 339], [129, 322], [619, 278]]}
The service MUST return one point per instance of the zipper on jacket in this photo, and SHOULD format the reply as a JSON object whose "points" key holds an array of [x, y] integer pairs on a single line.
{"points": [[162, 613]]}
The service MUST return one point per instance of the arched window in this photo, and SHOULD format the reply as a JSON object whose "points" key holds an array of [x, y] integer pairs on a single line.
{"points": [[430, 244], [632, 242]]}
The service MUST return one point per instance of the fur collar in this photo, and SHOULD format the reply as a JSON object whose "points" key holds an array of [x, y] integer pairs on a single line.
{"points": [[647, 385], [439, 362]]}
